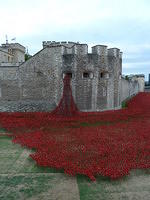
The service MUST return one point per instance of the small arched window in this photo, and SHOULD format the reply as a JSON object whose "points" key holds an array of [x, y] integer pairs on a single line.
{"points": [[87, 75], [104, 75]]}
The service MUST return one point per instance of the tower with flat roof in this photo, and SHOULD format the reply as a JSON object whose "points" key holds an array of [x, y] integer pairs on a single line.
{"points": [[16, 50]]}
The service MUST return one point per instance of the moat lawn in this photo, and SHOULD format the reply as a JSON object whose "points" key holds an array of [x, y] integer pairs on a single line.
{"points": [[21, 178], [59, 158]]}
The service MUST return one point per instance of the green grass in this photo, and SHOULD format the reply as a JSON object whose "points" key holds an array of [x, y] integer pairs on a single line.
{"points": [[17, 186], [98, 123], [2, 130], [34, 181], [93, 191], [31, 167], [124, 104], [10, 153], [105, 188]]}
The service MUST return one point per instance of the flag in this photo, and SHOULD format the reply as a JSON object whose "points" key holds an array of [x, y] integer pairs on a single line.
{"points": [[13, 39]]}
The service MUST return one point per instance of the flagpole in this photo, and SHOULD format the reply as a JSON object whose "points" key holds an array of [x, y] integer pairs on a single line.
{"points": [[6, 39]]}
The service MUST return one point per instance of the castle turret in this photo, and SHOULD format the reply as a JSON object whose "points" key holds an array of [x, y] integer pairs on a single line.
{"points": [[114, 52], [100, 50], [81, 49], [115, 63], [16, 50]]}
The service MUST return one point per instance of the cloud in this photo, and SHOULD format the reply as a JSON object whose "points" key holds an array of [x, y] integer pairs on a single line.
{"points": [[136, 65], [116, 23], [31, 17]]}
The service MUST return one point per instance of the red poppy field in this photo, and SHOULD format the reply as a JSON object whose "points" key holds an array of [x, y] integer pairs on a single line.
{"points": [[107, 143]]}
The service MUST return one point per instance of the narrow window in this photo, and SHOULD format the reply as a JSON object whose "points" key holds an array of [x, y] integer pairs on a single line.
{"points": [[86, 75], [102, 75], [69, 74]]}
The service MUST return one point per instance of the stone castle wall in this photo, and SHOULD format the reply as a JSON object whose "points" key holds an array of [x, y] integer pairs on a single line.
{"points": [[9, 87], [131, 87], [37, 84]]}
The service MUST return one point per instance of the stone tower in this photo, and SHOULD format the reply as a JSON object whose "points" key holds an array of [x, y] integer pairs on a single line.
{"points": [[13, 53], [95, 76]]}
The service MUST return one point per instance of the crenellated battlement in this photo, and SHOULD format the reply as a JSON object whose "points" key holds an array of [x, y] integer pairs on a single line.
{"points": [[78, 48], [54, 43]]}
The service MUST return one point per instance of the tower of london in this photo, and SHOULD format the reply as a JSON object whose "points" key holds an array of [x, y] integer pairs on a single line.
{"points": [[37, 84]]}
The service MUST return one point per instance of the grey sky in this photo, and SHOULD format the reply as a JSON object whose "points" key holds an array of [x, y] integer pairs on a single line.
{"points": [[117, 23]]}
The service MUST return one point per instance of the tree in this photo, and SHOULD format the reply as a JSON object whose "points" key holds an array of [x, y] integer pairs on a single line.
{"points": [[27, 56]]}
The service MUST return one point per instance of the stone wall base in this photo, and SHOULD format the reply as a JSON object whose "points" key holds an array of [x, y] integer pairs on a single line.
{"points": [[26, 106]]}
